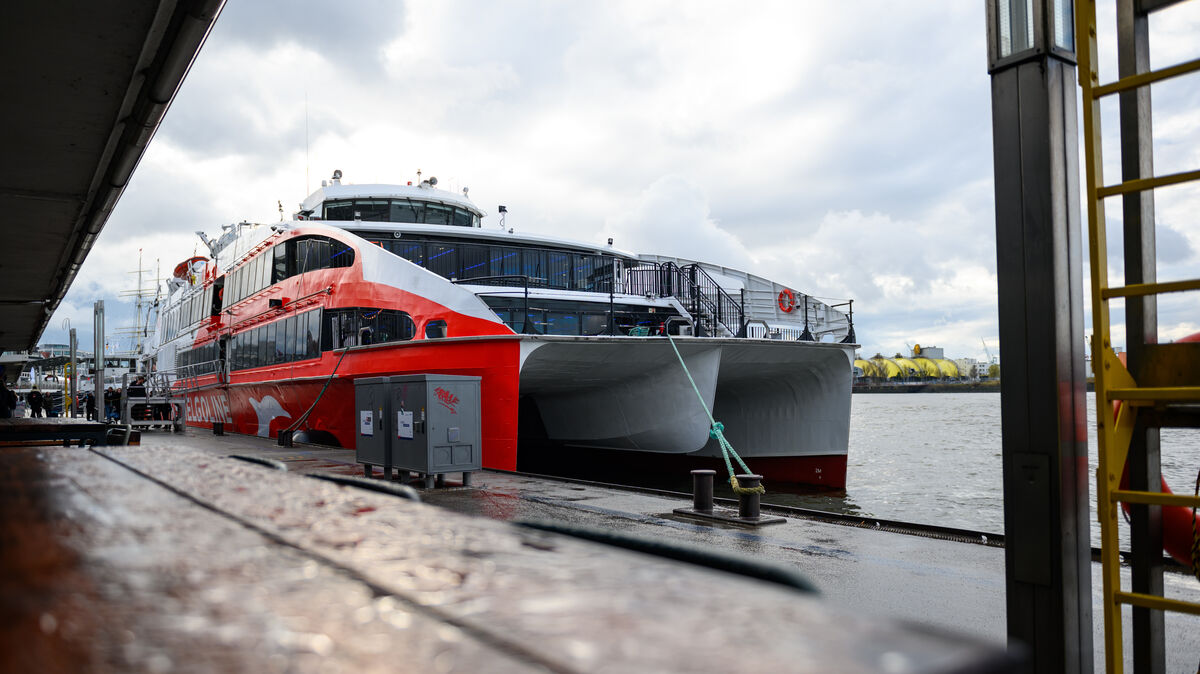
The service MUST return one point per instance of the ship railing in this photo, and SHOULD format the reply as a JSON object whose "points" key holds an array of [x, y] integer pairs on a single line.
{"points": [[699, 293], [149, 400], [185, 378]]}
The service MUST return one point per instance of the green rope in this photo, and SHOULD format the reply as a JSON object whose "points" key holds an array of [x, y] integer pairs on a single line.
{"points": [[716, 432]]}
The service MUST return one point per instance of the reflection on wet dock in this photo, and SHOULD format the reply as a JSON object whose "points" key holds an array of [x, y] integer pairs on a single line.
{"points": [[170, 555]]}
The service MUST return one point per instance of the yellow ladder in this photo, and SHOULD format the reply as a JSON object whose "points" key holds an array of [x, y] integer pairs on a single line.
{"points": [[1166, 382]]}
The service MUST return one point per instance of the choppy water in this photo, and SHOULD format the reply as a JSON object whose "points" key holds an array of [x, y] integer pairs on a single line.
{"points": [[934, 458]]}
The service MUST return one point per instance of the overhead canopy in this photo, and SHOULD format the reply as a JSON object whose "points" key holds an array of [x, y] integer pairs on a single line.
{"points": [[86, 85]]}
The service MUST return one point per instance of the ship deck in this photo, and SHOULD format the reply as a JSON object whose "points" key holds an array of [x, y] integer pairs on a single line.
{"points": [[171, 555]]}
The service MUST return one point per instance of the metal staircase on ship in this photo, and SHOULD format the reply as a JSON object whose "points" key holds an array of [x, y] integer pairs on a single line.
{"points": [[1160, 385]]}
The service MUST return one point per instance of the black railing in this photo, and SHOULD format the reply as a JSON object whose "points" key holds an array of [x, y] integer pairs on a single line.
{"points": [[710, 300]]}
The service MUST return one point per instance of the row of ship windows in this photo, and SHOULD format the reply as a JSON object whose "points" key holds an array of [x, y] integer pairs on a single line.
{"points": [[565, 317], [283, 261], [399, 210], [545, 268], [301, 337]]}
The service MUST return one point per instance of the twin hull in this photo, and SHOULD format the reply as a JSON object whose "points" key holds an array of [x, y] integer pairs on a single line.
{"points": [[785, 405]]}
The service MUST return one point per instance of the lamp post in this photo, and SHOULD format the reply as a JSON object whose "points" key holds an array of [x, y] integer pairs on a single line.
{"points": [[1031, 60]]}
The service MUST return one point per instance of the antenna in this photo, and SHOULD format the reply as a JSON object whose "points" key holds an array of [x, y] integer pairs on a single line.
{"points": [[306, 159]]}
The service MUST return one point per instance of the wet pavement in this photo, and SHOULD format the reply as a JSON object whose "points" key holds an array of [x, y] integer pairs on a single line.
{"points": [[938, 584], [172, 557]]}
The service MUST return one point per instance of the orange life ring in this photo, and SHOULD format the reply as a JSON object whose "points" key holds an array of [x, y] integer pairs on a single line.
{"points": [[787, 300], [1178, 522]]}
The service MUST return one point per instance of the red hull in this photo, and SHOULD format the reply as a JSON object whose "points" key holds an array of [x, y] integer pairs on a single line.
{"points": [[264, 408]]}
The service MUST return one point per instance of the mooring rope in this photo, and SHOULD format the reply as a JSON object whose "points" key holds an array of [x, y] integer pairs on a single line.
{"points": [[716, 431]]}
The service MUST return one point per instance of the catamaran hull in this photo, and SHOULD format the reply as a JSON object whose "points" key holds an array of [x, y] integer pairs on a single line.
{"points": [[785, 406]]}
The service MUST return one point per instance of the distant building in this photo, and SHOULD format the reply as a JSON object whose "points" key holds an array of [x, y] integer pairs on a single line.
{"points": [[930, 352], [970, 368]]}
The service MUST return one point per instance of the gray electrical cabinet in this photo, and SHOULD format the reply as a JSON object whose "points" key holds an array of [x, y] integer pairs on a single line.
{"points": [[424, 423], [372, 446]]}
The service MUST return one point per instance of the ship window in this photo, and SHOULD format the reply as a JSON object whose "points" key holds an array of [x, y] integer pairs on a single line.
{"points": [[279, 270], [535, 267], [263, 352], [437, 215], [340, 255], [372, 210], [339, 210], [301, 328], [562, 323], [462, 218], [288, 347], [436, 330], [443, 260], [474, 261], [406, 211], [319, 253], [312, 336], [302, 259], [264, 273], [413, 251], [269, 356], [595, 324], [558, 270], [505, 261]]}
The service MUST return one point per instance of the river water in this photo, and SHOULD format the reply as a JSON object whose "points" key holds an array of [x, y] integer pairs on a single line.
{"points": [[934, 458]]}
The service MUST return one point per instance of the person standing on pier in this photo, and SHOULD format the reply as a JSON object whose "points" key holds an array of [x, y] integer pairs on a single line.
{"points": [[34, 398], [89, 405], [8, 400]]}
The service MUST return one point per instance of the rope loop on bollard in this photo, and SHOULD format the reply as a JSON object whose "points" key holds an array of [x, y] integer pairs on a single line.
{"points": [[717, 432]]}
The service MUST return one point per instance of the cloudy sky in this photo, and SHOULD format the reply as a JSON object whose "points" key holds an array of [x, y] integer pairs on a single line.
{"points": [[841, 148]]}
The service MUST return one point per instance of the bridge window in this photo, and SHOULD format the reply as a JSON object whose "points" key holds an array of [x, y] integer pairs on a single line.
{"points": [[399, 210]]}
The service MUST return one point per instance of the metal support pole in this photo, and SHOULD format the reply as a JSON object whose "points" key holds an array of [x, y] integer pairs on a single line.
{"points": [[1039, 271], [73, 381], [98, 357], [1141, 329]]}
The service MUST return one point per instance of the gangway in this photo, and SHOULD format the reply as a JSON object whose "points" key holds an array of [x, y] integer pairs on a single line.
{"points": [[1161, 386], [161, 400]]}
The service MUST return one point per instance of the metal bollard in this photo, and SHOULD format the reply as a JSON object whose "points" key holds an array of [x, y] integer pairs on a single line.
{"points": [[702, 490], [748, 504], [285, 438], [466, 481], [218, 428]]}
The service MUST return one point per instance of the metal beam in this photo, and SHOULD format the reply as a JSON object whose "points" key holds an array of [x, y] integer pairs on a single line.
{"points": [[1043, 412]]}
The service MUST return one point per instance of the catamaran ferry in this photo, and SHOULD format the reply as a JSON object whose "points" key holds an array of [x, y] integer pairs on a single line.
{"points": [[269, 332]]}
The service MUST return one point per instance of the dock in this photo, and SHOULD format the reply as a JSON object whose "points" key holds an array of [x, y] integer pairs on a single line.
{"points": [[172, 555]]}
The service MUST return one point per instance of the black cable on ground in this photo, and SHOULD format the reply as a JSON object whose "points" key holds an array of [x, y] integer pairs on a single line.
{"points": [[692, 554], [269, 463], [402, 490]]}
